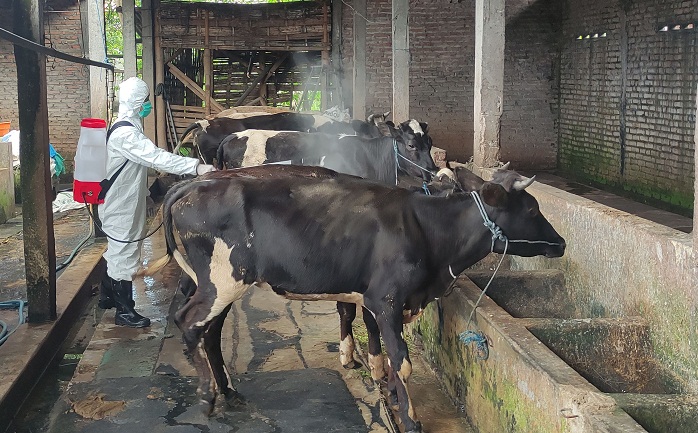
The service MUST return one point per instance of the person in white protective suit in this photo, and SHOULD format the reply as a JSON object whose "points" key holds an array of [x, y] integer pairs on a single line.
{"points": [[123, 213]]}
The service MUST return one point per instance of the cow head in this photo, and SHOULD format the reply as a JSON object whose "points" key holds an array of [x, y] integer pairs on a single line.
{"points": [[414, 143], [517, 213], [375, 126]]}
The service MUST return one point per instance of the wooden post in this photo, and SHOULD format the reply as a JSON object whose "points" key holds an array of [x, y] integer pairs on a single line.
{"points": [[359, 87], [208, 68], [128, 31], [489, 81], [148, 62], [401, 61], [37, 214], [160, 119], [325, 59], [337, 77]]}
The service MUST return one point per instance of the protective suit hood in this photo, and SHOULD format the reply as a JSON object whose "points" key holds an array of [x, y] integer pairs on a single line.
{"points": [[132, 94]]}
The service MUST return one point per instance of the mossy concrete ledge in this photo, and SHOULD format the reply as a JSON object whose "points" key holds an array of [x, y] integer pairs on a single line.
{"points": [[522, 386], [619, 265]]}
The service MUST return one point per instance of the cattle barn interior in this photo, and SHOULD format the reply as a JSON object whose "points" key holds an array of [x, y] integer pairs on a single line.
{"points": [[255, 55], [596, 98]]}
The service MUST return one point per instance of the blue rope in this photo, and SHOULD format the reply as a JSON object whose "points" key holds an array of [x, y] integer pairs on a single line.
{"points": [[8, 305], [425, 187], [482, 352]]}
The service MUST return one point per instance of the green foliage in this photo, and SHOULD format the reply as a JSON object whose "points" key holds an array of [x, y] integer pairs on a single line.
{"points": [[243, 2], [112, 21]]}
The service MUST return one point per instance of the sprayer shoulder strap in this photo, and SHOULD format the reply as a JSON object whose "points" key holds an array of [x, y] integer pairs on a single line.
{"points": [[107, 183]]}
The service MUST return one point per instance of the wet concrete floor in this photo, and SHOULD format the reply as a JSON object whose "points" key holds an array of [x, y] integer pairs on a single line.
{"points": [[283, 356]]}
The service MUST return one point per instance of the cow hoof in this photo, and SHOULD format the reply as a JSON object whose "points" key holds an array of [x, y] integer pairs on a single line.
{"points": [[392, 400], [417, 428], [207, 407], [352, 365], [234, 399]]}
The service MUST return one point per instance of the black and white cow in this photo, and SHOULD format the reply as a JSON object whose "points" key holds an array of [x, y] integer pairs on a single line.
{"points": [[208, 134], [380, 159], [309, 233]]}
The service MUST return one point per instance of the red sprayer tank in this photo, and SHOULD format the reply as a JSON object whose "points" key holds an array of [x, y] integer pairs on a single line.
{"points": [[90, 161]]}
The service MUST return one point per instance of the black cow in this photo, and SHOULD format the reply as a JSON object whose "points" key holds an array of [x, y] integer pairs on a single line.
{"points": [[371, 159], [310, 233], [208, 134]]}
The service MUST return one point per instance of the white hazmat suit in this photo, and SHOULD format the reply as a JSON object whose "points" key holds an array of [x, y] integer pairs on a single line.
{"points": [[123, 213]]}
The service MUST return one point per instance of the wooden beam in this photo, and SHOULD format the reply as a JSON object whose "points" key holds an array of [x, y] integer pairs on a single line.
{"points": [[260, 77], [208, 70], [325, 59], [37, 213], [181, 76], [128, 31], [337, 78], [359, 85], [401, 61]]}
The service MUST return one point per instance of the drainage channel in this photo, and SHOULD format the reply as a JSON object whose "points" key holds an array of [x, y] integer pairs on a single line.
{"points": [[33, 417], [550, 370]]}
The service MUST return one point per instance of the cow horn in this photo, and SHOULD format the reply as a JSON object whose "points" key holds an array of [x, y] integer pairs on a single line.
{"points": [[370, 118], [505, 166], [520, 185], [446, 172], [386, 114]]}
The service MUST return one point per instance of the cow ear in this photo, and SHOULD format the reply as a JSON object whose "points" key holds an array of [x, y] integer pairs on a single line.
{"points": [[494, 195], [359, 126], [468, 180], [424, 126]]}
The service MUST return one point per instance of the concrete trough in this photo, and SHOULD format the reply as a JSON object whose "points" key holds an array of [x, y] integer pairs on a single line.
{"points": [[548, 369], [522, 386], [538, 293]]}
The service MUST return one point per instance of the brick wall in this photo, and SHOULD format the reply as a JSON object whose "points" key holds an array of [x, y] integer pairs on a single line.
{"points": [[442, 48], [627, 101], [67, 83]]}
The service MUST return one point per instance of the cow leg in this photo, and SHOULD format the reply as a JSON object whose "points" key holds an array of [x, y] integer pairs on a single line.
{"points": [[375, 355], [191, 320], [389, 321], [212, 345], [186, 285], [347, 314]]}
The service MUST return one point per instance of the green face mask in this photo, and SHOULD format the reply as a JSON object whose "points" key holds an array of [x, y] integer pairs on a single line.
{"points": [[145, 109]]}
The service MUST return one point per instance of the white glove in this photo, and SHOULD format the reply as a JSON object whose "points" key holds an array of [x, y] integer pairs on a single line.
{"points": [[204, 168]]}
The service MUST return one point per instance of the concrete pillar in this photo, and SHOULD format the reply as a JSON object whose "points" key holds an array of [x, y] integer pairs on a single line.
{"points": [[128, 31], [401, 61], [489, 80], [7, 183], [148, 62], [97, 51], [359, 88], [159, 65], [695, 208]]}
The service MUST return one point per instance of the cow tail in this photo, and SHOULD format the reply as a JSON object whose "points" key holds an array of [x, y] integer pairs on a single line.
{"points": [[189, 129], [174, 194], [219, 155]]}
